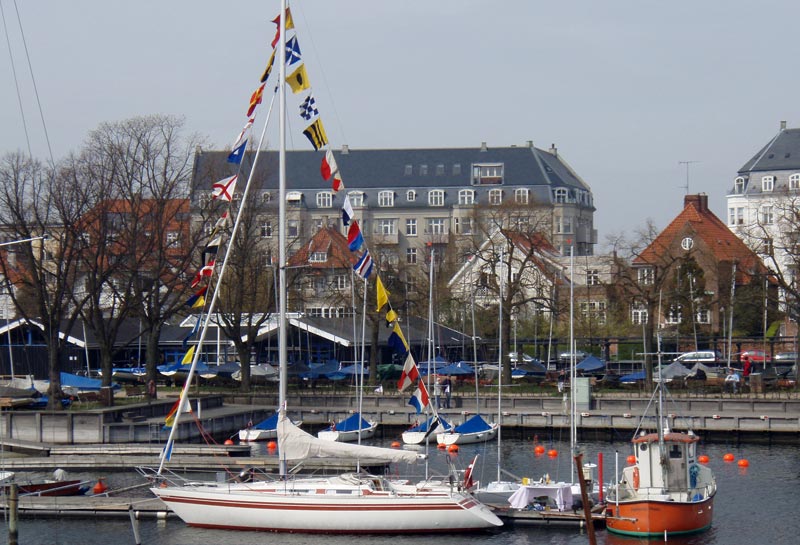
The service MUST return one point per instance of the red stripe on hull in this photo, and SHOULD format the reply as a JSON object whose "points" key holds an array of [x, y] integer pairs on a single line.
{"points": [[647, 517], [313, 507]]}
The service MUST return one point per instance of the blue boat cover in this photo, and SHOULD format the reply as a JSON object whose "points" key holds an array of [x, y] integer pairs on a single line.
{"points": [[460, 368], [473, 425], [350, 423], [83, 383], [633, 377], [270, 423], [590, 364], [424, 425]]}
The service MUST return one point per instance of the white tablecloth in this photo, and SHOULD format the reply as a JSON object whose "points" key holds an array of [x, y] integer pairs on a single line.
{"points": [[560, 492]]}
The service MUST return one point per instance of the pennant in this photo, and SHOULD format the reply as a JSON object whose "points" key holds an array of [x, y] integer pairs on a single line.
{"points": [[270, 63], [308, 109], [409, 375], [364, 266], [292, 51], [419, 400], [241, 134], [289, 25], [187, 358], [192, 333], [329, 166], [298, 80], [255, 99], [236, 155], [223, 222], [223, 189], [468, 481], [354, 237], [347, 211], [337, 184], [169, 420], [212, 248], [397, 341], [382, 294], [391, 317], [193, 299], [200, 303]]}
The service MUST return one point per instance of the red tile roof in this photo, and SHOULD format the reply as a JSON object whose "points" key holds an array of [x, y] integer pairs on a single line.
{"points": [[330, 241]]}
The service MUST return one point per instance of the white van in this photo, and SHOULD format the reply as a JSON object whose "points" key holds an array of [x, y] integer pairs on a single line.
{"points": [[706, 357]]}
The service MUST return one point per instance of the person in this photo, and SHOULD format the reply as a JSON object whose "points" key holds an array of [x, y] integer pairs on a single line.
{"points": [[447, 384], [732, 379], [437, 392], [561, 378], [748, 365]]}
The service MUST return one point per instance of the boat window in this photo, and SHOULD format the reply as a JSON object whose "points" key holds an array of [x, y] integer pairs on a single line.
{"points": [[675, 451], [643, 447]]}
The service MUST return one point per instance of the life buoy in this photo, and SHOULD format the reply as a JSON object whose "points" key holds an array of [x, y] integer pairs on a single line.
{"points": [[636, 478]]}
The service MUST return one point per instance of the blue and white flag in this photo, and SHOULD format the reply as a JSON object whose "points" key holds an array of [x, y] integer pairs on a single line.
{"points": [[364, 266], [347, 211], [419, 400], [308, 109], [292, 51], [237, 154]]}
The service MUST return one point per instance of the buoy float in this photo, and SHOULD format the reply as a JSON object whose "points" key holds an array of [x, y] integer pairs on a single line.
{"points": [[441, 446], [272, 445], [100, 487], [631, 459], [228, 441], [395, 444], [552, 453], [703, 459], [538, 449], [452, 448], [729, 457], [743, 463]]}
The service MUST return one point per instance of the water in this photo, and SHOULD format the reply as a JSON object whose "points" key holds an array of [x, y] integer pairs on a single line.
{"points": [[753, 505]]}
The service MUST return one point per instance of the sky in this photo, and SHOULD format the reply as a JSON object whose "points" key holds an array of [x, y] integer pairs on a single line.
{"points": [[635, 94]]}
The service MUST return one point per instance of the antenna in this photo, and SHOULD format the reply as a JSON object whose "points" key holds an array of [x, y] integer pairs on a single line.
{"points": [[687, 163]]}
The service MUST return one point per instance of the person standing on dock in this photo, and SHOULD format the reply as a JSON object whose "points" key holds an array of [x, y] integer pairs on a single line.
{"points": [[437, 392]]}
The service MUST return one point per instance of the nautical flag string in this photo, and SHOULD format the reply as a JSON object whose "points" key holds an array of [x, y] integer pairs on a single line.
{"points": [[308, 109], [223, 189], [363, 267]]}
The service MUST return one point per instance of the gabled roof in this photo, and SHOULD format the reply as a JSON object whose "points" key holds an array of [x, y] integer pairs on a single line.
{"points": [[332, 243], [781, 153], [697, 221]]}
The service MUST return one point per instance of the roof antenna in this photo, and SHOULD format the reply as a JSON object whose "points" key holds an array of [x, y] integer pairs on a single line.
{"points": [[687, 163]]}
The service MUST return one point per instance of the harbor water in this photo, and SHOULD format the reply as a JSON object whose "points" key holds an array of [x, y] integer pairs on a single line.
{"points": [[755, 504]]}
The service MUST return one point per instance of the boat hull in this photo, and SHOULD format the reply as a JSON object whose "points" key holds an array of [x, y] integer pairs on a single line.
{"points": [[348, 436], [51, 488], [249, 435], [256, 509], [467, 438], [655, 517]]}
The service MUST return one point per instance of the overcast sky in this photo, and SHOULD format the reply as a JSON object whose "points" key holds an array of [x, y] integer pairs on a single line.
{"points": [[626, 90]]}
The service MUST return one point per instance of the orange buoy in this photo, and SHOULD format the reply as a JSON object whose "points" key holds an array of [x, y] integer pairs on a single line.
{"points": [[538, 449], [100, 487], [703, 459], [729, 457], [452, 448], [441, 446], [228, 441], [743, 463], [395, 444], [552, 453], [272, 445], [631, 459]]}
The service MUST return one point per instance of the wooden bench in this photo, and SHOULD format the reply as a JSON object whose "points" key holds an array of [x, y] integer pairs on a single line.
{"points": [[134, 391], [88, 397]]}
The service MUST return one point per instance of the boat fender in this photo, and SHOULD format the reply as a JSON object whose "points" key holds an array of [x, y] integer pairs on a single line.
{"points": [[636, 478], [694, 471]]}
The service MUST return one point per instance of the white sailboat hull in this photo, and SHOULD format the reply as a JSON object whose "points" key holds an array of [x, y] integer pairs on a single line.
{"points": [[467, 438], [349, 436], [323, 506]]}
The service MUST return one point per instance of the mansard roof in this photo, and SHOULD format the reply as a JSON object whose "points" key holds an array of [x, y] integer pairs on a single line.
{"points": [[781, 153]]}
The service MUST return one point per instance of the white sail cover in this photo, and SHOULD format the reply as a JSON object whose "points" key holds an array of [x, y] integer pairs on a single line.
{"points": [[295, 444]]}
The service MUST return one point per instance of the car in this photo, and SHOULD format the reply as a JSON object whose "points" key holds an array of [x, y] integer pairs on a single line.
{"points": [[525, 358], [706, 357], [580, 355], [755, 356], [785, 358]]}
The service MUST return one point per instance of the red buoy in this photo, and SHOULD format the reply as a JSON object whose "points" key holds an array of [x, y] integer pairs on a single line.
{"points": [[631, 459], [228, 441], [552, 453], [729, 457], [100, 487], [538, 449], [452, 448], [703, 459], [395, 444], [272, 445], [441, 446], [743, 463]]}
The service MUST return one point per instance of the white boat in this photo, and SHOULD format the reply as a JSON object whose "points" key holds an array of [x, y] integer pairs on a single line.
{"points": [[473, 430], [264, 430], [417, 434], [349, 429]]}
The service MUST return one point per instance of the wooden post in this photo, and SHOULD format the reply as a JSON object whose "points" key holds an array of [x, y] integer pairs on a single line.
{"points": [[13, 513], [587, 510]]}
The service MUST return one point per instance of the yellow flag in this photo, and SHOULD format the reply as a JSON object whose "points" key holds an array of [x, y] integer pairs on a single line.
{"points": [[316, 134], [391, 316], [383, 295], [298, 80], [188, 357], [200, 303]]}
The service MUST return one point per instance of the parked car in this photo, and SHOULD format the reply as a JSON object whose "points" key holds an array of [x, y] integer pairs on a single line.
{"points": [[706, 357], [755, 356], [785, 358]]}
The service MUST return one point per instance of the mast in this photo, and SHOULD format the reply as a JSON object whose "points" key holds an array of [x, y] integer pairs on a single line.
{"points": [[500, 366], [282, 355], [573, 430]]}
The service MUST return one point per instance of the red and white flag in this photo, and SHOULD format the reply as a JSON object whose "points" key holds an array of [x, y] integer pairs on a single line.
{"points": [[246, 128], [337, 184], [409, 375], [329, 166], [223, 189], [468, 481]]}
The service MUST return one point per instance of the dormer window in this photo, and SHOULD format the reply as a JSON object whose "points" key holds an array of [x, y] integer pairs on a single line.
{"points": [[521, 195], [560, 195], [487, 174], [739, 185], [324, 199], [294, 197], [266, 197], [409, 170], [767, 183], [356, 198], [466, 196], [411, 195], [496, 197], [794, 182], [386, 198], [436, 197]]}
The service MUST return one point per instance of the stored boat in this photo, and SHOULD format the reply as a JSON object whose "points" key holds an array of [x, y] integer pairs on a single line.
{"points": [[349, 429], [473, 430], [417, 434]]}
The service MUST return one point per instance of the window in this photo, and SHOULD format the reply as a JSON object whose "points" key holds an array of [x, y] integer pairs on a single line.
{"points": [[592, 277], [560, 195], [440, 170], [356, 198], [267, 257], [767, 214], [521, 195], [646, 276], [767, 246], [736, 216], [387, 226], [209, 229], [703, 316], [387, 257], [386, 198], [436, 197], [293, 228], [318, 257], [411, 227], [674, 315], [496, 196], [564, 226], [266, 197], [411, 195], [204, 199], [436, 226], [794, 182], [173, 238], [324, 199], [638, 314], [739, 185], [423, 170], [594, 310], [456, 169], [409, 170], [767, 183], [266, 229], [341, 282], [466, 196], [463, 226], [411, 256], [487, 174]]}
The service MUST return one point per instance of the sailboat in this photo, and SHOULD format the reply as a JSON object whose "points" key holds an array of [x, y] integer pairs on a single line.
{"points": [[349, 429], [667, 491], [430, 427], [347, 503]]}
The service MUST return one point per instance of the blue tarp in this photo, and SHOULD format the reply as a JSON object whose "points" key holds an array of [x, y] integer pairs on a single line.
{"points": [[270, 423], [633, 377], [83, 383], [590, 364], [316, 370], [424, 425], [460, 368], [473, 425], [350, 424]]}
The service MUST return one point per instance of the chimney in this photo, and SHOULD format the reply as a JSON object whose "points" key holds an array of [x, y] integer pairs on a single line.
{"points": [[553, 150], [699, 201], [483, 147], [198, 150], [345, 149], [529, 143], [783, 125]]}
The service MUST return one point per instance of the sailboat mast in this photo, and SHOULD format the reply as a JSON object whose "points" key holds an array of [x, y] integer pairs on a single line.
{"points": [[500, 366], [573, 430], [282, 353]]}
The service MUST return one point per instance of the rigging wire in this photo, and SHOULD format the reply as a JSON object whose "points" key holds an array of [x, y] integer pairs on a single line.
{"points": [[16, 80]]}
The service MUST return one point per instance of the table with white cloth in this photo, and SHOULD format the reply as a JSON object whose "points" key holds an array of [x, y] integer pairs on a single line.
{"points": [[526, 494]]}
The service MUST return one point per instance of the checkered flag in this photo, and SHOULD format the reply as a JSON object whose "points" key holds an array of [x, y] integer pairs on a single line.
{"points": [[308, 109]]}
